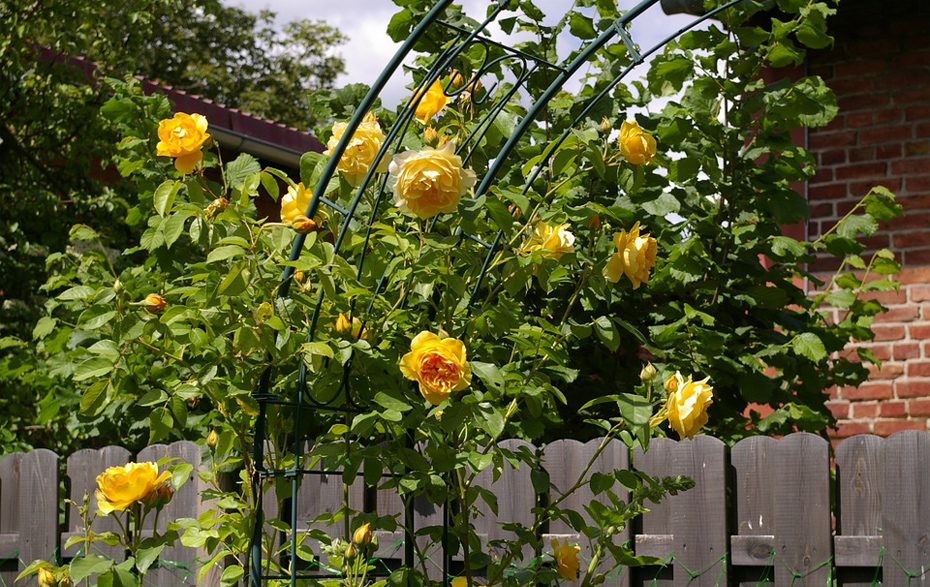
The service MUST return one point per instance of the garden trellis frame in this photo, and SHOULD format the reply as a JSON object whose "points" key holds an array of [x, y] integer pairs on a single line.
{"points": [[303, 404]]}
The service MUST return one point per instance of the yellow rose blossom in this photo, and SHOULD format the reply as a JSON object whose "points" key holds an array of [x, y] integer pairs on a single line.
{"points": [[461, 582], [635, 256], [182, 137], [566, 559], [438, 365], [362, 535], [47, 578], [120, 487], [686, 407], [430, 182], [351, 328], [431, 102], [636, 146], [294, 204], [551, 240], [361, 151]]}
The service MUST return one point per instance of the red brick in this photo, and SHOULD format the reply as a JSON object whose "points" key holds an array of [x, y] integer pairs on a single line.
{"points": [[889, 151], [919, 293], [839, 408], [916, 148], [823, 175], [889, 427], [886, 297], [886, 371], [862, 154], [885, 332], [919, 331], [833, 157], [885, 134], [887, 115], [900, 314], [822, 211], [913, 388], [911, 239], [893, 409], [916, 185], [922, 130], [852, 85], [861, 170], [904, 79], [909, 166], [913, 58], [864, 410], [819, 140], [910, 275], [861, 188], [918, 369], [860, 67], [847, 429], [828, 192], [917, 257], [857, 119], [917, 112], [919, 407], [870, 390], [903, 351], [876, 48], [864, 101]]}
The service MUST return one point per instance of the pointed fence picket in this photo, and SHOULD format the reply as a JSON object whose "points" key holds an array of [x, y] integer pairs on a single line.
{"points": [[764, 512]]}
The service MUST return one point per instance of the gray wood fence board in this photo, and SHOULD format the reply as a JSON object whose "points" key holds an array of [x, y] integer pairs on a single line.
{"points": [[178, 564], [320, 494], [564, 461], [803, 538], [906, 508], [9, 512], [754, 542], [858, 541], [82, 470], [30, 481], [656, 538]]}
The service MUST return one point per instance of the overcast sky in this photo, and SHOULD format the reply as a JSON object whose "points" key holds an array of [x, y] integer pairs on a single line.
{"points": [[369, 48]]}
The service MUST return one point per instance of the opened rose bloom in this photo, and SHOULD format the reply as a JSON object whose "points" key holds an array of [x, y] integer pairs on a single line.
{"points": [[686, 408], [566, 559], [294, 204], [636, 146], [431, 102], [438, 365], [120, 487], [182, 137], [635, 256], [550, 239], [361, 151], [430, 182], [462, 582]]}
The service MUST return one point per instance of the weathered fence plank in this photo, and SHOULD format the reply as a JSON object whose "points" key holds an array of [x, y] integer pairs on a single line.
{"points": [[28, 509], [691, 530], [906, 509], [83, 468], [783, 508], [564, 461], [858, 541]]}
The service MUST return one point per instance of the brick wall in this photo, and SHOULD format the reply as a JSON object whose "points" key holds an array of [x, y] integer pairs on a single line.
{"points": [[879, 68]]}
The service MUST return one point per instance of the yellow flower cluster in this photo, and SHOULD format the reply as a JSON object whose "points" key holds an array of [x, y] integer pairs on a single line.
{"points": [[636, 146], [635, 256], [566, 559], [686, 407], [182, 137], [551, 240], [361, 151], [430, 182], [431, 102], [118, 488], [294, 204]]}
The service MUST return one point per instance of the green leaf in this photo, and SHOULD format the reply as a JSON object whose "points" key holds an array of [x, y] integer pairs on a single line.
{"points": [[489, 419], [94, 398], [44, 327], [147, 553], [607, 332], [664, 205], [581, 26], [224, 252], [95, 367], [165, 195], [83, 567], [812, 36], [387, 401], [809, 345], [236, 281], [489, 374], [96, 316], [160, 422], [601, 482], [241, 168], [231, 574], [78, 292]]}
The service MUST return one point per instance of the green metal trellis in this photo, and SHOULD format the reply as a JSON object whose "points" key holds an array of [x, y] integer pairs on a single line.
{"points": [[524, 65]]}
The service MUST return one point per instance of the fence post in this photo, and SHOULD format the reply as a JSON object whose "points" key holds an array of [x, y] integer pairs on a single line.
{"points": [[83, 468], [688, 529], [783, 508], [28, 510], [905, 467]]}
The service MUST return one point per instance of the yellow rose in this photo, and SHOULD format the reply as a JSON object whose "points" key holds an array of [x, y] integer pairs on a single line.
{"points": [[294, 204], [349, 329], [120, 487], [461, 582], [47, 578], [182, 137], [635, 256], [438, 365], [551, 240], [636, 146], [361, 151], [431, 102], [362, 535], [430, 182], [687, 405], [566, 559], [154, 303]]}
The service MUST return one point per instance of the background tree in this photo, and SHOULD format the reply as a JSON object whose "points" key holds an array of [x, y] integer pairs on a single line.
{"points": [[55, 144]]}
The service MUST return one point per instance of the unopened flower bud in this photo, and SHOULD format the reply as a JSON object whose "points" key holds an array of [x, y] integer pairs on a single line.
{"points": [[118, 286], [212, 439], [430, 136], [362, 535], [216, 206], [671, 384], [263, 312], [515, 211], [47, 578], [350, 329], [605, 125], [594, 222], [154, 303], [304, 225], [351, 551], [648, 373], [159, 497]]}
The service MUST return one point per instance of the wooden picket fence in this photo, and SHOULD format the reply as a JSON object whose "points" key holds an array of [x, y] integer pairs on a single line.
{"points": [[767, 511]]}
